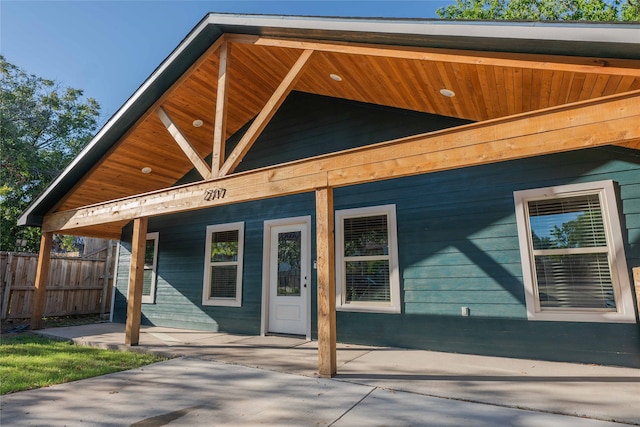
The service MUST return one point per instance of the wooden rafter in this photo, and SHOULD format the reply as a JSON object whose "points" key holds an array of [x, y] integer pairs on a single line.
{"points": [[220, 123], [610, 120], [261, 121], [182, 141], [158, 103], [487, 86], [612, 66]]}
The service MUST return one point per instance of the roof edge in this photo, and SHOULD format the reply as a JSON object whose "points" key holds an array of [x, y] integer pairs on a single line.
{"points": [[28, 218], [439, 33], [617, 32]]}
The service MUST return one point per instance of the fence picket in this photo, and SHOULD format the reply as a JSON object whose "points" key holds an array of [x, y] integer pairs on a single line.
{"points": [[75, 285]]}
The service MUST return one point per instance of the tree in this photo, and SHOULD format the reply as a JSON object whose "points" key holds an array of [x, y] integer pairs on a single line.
{"points": [[42, 128], [544, 10]]}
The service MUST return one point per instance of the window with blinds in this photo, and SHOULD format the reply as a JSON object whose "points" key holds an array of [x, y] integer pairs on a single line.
{"points": [[574, 268], [569, 246], [149, 274], [223, 265], [367, 259]]}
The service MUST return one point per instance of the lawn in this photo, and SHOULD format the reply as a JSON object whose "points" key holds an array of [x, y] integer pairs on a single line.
{"points": [[29, 361]]}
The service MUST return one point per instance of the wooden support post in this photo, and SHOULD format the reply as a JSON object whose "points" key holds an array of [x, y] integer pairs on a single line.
{"points": [[107, 278], [220, 123], [636, 280], [136, 276], [42, 275], [327, 365], [8, 280]]}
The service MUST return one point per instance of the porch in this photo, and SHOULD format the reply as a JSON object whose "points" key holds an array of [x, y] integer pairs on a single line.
{"points": [[601, 392]]}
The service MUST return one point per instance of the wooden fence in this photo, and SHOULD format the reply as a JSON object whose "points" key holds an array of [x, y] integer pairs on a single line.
{"points": [[80, 285]]}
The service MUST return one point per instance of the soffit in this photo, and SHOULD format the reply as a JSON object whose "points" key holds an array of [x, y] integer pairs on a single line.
{"points": [[488, 85]]}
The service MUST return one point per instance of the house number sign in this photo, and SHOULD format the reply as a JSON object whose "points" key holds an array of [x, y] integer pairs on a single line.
{"points": [[215, 193]]}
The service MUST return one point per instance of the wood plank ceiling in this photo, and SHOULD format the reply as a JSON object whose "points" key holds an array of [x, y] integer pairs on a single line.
{"points": [[486, 85]]}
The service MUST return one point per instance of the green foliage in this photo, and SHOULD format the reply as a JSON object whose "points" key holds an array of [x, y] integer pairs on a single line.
{"points": [[30, 361], [587, 230], [42, 128], [224, 251], [543, 10], [66, 243]]}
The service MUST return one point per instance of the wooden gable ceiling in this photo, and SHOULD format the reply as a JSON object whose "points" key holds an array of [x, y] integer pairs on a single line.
{"points": [[486, 85]]}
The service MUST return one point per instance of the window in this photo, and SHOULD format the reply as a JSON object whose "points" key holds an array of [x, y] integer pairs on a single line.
{"points": [[367, 277], [572, 254], [223, 265], [150, 261]]}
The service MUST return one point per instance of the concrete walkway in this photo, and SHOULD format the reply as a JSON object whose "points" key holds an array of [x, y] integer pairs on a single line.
{"points": [[215, 382]]}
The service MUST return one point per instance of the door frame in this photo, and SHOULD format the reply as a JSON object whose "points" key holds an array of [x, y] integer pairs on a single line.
{"points": [[266, 261]]}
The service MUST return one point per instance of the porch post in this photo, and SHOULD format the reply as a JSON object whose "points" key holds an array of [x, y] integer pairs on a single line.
{"points": [[42, 275], [136, 276], [326, 283], [636, 279]]}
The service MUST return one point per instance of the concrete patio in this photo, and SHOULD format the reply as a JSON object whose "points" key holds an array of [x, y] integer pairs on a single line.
{"points": [[598, 392]]}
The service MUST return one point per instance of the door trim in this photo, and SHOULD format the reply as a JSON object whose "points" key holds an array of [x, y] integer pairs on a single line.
{"points": [[266, 256]]}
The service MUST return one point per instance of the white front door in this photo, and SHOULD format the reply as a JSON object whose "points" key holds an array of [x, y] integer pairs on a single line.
{"points": [[288, 275]]}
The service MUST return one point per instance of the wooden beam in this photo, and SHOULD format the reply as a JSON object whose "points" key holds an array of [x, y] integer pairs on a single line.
{"points": [[158, 103], [325, 247], [243, 187], [136, 277], [606, 121], [610, 66], [220, 123], [182, 141], [42, 275], [634, 145], [261, 121]]}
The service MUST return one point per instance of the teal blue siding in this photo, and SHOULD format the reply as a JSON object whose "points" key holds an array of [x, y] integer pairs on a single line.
{"points": [[180, 266], [325, 125], [458, 246], [322, 125], [310, 125], [457, 235]]}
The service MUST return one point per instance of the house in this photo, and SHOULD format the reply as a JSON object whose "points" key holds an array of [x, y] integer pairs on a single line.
{"points": [[455, 186]]}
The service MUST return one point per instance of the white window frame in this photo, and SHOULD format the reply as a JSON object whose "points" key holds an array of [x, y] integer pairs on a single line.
{"points": [[206, 286], [625, 312], [151, 298], [393, 306]]}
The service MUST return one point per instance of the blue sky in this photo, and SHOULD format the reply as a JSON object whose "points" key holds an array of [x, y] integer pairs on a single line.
{"points": [[108, 48]]}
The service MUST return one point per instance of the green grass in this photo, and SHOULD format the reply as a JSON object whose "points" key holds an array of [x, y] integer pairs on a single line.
{"points": [[29, 361]]}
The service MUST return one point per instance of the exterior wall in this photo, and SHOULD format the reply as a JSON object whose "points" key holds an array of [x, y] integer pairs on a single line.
{"points": [[458, 244], [180, 268], [305, 125]]}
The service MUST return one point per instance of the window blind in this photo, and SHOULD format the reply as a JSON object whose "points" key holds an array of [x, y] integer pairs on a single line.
{"points": [[570, 253], [223, 281], [147, 278], [570, 222], [366, 236], [224, 264], [366, 259]]}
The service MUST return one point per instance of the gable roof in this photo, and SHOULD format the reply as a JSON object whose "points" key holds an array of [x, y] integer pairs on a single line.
{"points": [[400, 63]]}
